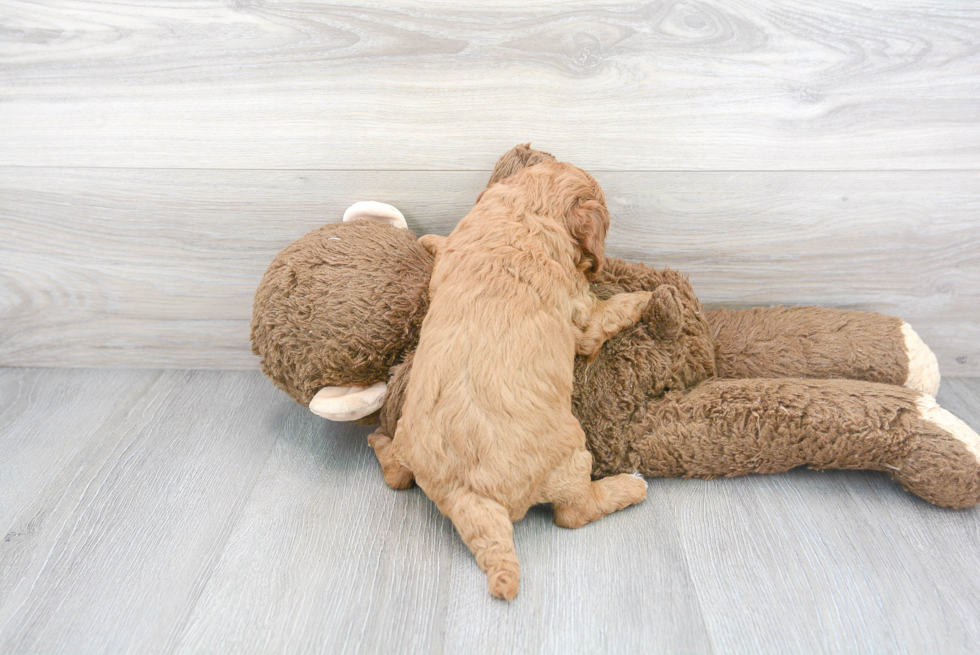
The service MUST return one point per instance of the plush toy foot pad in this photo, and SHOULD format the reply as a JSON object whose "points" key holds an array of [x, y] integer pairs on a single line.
{"points": [[923, 368], [943, 465], [930, 411]]}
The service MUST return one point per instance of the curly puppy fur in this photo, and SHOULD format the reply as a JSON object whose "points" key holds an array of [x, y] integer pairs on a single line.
{"points": [[487, 427]]}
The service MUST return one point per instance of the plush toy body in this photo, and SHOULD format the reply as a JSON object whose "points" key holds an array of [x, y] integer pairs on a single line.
{"points": [[685, 392]]}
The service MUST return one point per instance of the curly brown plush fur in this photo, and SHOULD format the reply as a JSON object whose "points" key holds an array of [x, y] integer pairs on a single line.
{"points": [[733, 392], [782, 341], [304, 324]]}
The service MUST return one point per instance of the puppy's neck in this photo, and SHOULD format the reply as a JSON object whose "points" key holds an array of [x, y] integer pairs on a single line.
{"points": [[510, 228], [547, 235]]}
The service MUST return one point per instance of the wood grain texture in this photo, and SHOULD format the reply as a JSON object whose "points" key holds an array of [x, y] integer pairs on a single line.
{"points": [[36, 451], [713, 85], [620, 585], [125, 267], [112, 553], [155, 158], [177, 525], [830, 562], [955, 571], [325, 558], [790, 563]]}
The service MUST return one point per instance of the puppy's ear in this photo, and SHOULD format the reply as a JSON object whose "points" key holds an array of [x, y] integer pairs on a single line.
{"points": [[518, 157], [587, 223]]}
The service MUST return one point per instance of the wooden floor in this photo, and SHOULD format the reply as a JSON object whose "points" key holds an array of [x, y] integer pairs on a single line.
{"points": [[203, 511]]}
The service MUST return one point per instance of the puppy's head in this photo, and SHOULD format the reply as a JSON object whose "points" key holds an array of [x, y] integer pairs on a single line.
{"points": [[571, 195], [520, 156]]}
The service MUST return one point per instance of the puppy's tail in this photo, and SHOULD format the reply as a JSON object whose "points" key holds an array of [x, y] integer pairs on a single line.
{"points": [[486, 529]]}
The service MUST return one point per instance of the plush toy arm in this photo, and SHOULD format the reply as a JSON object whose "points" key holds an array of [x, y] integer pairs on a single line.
{"points": [[724, 428], [817, 342]]}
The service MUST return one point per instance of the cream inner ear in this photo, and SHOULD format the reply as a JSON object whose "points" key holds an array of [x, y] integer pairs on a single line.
{"points": [[348, 403], [375, 211]]}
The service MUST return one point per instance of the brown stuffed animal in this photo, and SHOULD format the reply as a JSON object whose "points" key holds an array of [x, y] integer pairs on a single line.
{"points": [[685, 392]]}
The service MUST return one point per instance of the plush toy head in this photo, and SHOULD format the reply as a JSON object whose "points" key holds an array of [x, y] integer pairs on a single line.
{"points": [[339, 308]]}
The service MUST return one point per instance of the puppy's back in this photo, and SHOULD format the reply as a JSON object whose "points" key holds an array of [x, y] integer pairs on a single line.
{"points": [[489, 401]]}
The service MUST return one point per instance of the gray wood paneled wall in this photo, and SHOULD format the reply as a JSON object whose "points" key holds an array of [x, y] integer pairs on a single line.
{"points": [[153, 159]]}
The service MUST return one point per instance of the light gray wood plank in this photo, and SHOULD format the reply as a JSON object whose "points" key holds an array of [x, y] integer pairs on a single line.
{"points": [[838, 561], [788, 563], [128, 267], [113, 553], [943, 543], [715, 85], [620, 585], [48, 417], [327, 559]]}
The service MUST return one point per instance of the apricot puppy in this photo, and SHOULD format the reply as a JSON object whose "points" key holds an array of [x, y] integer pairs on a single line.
{"points": [[487, 426]]}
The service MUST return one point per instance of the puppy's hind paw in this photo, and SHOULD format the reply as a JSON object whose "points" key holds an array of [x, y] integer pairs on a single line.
{"points": [[396, 475], [624, 489], [639, 490]]}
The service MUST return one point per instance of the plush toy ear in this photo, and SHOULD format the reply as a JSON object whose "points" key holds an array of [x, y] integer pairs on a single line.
{"points": [[375, 211], [348, 403], [587, 223]]}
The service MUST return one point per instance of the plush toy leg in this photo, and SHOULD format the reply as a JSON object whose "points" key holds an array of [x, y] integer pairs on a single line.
{"points": [[923, 367], [817, 342], [485, 528], [734, 427]]}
